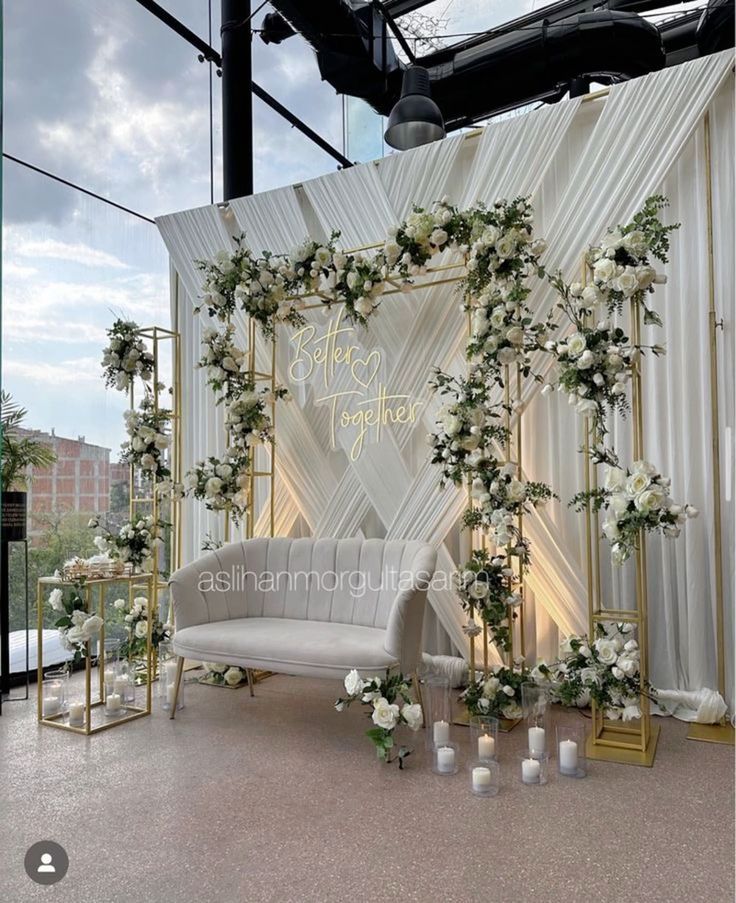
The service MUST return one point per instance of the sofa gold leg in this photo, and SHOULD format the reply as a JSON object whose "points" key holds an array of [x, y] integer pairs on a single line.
{"points": [[179, 672], [251, 681], [416, 683]]}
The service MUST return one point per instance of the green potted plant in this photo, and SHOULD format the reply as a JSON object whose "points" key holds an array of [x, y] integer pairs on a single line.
{"points": [[18, 453]]}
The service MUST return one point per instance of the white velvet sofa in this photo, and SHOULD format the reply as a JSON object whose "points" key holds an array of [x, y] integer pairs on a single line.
{"points": [[309, 607]]}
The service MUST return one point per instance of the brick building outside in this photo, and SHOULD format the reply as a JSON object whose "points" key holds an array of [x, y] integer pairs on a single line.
{"points": [[78, 481]]}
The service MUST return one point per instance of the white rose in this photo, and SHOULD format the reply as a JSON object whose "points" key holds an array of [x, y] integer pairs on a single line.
{"points": [[75, 635], [506, 356], [592, 295], [56, 599], [618, 504], [451, 424], [649, 500], [509, 691], [91, 626], [385, 714], [515, 335], [353, 683], [636, 243], [589, 676], [438, 237], [627, 283], [213, 486], [606, 650], [576, 344], [631, 713], [505, 247], [141, 629], [604, 270], [216, 667], [233, 676], [120, 604], [412, 714], [478, 589], [637, 483], [611, 530], [586, 360], [490, 687], [498, 317], [364, 306]]}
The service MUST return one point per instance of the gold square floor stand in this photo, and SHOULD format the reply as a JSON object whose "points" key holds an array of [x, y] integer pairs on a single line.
{"points": [[622, 755], [712, 733]]}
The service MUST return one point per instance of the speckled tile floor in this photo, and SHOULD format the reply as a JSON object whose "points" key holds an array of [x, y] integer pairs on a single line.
{"points": [[278, 799]]}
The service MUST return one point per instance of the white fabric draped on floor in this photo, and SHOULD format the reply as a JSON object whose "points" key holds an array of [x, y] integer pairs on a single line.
{"points": [[586, 165]]}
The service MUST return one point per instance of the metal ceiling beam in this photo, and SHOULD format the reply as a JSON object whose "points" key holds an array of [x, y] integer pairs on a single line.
{"points": [[211, 55]]}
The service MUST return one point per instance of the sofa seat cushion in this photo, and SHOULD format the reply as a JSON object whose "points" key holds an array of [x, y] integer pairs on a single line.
{"points": [[288, 646]]}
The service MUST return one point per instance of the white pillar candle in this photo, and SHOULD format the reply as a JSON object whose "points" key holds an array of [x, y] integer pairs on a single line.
{"points": [[441, 732], [109, 677], [170, 693], [119, 685], [51, 705], [113, 703], [568, 757], [536, 740], [445, 759], [170, 668], [486, 747], [481, 778], [530, 771], [76, 714]]}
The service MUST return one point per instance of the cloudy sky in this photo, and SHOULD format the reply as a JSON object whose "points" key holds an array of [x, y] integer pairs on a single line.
{"points": [[104, 95]]}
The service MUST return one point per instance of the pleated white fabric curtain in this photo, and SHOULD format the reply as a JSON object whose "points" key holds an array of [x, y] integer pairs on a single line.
{"points": [[586, 165]]}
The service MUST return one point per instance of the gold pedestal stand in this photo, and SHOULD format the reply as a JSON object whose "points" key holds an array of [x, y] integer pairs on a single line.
{"points": [[129, 712]]}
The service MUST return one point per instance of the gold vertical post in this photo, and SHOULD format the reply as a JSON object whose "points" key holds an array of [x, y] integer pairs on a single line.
{"points": [[39, 649]]}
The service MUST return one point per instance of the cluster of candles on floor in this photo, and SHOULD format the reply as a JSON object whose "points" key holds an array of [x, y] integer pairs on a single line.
{"points": [[484, 768]]}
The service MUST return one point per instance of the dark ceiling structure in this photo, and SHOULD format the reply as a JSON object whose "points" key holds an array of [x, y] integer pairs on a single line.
{"points": [[539, 57]]}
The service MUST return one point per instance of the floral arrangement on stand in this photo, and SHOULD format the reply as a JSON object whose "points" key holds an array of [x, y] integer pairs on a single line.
{"points": [[635, 499], [497, 694], [605, 671], [149, 439], [136, 620], [219, 675], [391, 705], [486, 587], [222, 484], [75, 625], [126, 356], [596, 363], [134, 544]]}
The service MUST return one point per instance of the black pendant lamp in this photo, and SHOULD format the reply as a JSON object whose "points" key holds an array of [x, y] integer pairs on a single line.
{"points": [[415, 119]]}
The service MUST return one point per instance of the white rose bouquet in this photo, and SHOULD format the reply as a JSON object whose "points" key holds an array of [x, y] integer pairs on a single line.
{"points": [[635, 499], [246, 416], [605, 671], [222, 484], [486, 585], [226, 364], [135, 542], [149, 440], [498, 694], [390, 703], [136, 621], [621, 262], [467, 423], [126, 356], [259, 286], [219, 675], [75, 625]]}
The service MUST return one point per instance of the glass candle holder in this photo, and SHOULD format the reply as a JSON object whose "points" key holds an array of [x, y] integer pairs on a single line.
{"points": [[571, 761], [125, 682], [437, 710], [77, 711], [52, 694], [62, 676], [167, 666], [535, 704], [445, 759], [485, 777], [110, 664], [484, 737], [534, 768]]}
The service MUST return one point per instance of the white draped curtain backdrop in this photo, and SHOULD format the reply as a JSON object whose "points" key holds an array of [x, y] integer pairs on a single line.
{"points": [[587, 165]]}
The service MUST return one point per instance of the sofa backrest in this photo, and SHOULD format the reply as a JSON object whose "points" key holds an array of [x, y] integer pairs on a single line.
{"points": [[351, 581]]}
